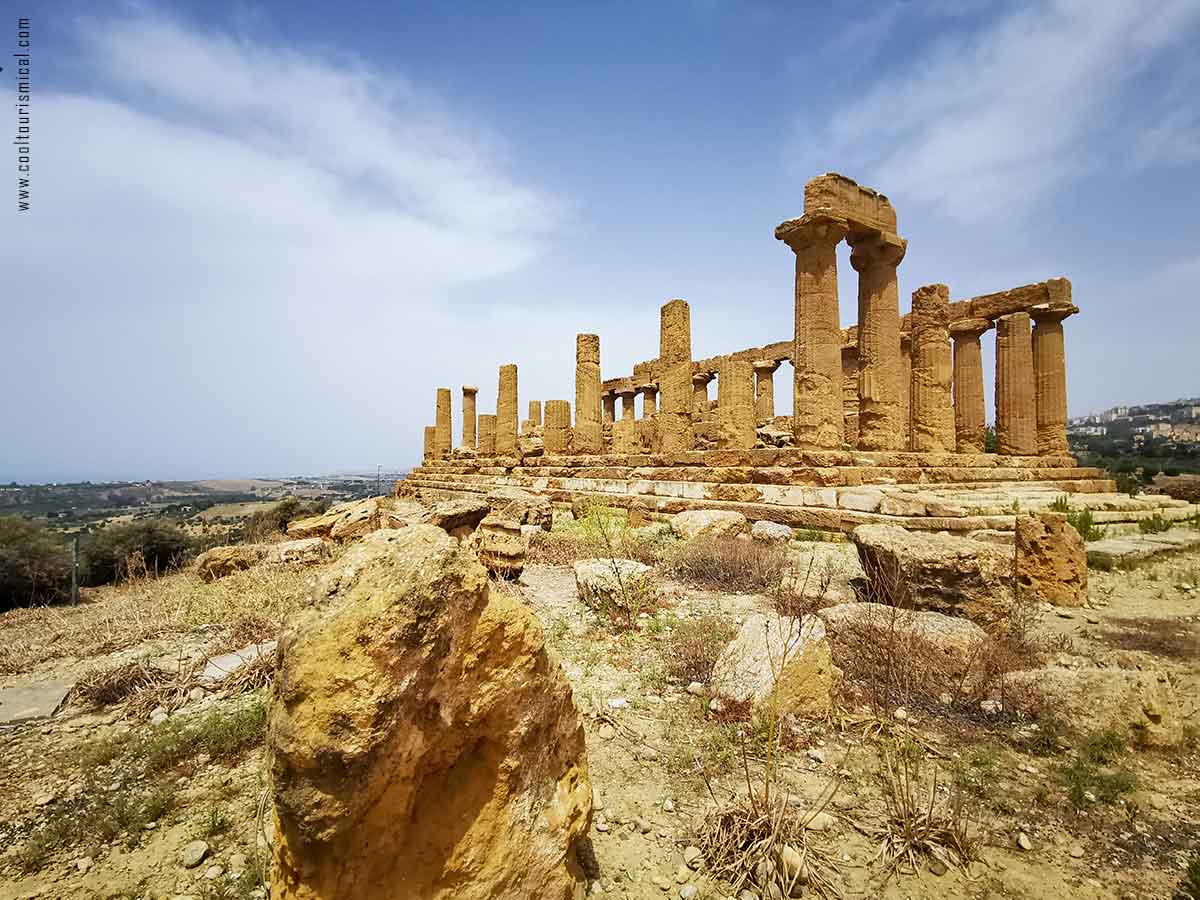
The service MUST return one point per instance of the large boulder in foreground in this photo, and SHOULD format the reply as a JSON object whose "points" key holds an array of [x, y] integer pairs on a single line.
{"points": [[222, 561], [955, 645], [936, 572], [1051, 559], [779, 661], [606, 585], [522, 507], [357, 518], [459, 516], [424, 743], [709, 523], [824, 572]]}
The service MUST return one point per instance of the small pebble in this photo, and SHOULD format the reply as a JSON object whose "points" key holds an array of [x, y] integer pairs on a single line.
{"points": [[1023, 841], [937, 867], [696, 688], [816, 755], [688, 891]]}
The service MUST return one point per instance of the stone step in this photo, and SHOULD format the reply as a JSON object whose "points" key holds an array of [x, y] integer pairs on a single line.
{"points": [[1112, 552]]}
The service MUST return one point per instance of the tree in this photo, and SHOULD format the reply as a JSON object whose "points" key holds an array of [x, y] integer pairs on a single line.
{"points": [[35, 565]]}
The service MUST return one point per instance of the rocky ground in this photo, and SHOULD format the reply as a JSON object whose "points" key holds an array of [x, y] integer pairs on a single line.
{"points": [[159, 791]]}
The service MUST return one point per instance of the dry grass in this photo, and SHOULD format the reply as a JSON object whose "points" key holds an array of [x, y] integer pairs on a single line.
{"points": [[694, 646], [1172, 638], [107, 687], [727, 564], [120, 616]]}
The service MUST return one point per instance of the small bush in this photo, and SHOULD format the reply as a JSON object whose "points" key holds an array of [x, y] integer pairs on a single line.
{"points": [[1061, 504], [1128, 483], [1091, 776], [1084, 522], [35, 564], [695, 645], [268, 523], [1189, 885], [123, 551], [1155, 524], [728, 564]]}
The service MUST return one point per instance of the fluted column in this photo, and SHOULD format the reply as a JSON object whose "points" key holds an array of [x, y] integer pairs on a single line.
{"points": [[700, 391], [850, 404], [932, 370], [588, 437], [608, 401], [649, 394], [1050, 375], [506, 412], [487, 435], [817, 353], [970, 418], [535, 417], [430, 443], [627, 396], [735, 405], [675, 431], [764, 389], [469, 420], [1016, 406], [443, 425], [880, 377], [556, 436], [906, 393]]}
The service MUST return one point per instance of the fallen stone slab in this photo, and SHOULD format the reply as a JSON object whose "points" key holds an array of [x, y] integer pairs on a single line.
{"points": [[605, 583], [708, 523], [220, 666], [30, 701], [1108, 553], [770, 532], [959, 641]]}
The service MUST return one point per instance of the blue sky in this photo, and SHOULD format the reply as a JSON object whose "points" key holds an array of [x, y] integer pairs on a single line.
{"points": [[263, 234]]}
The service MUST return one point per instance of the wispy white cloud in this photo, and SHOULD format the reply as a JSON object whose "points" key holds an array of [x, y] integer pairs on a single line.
{"points": [[981, 122]]}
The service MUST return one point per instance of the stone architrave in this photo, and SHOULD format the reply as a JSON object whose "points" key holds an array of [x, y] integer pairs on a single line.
{"points": [[557, 433], [764, 390], [675, 430], [817, 353], [443, 424], [932, 370], [588, 437], [1016, 412], [970, 423], [487, 435], [906, 392], [700, 391], [735, 405], [1050, 374], [430, 442], [850, 394], [469, 418], [506, 412], [627, 395], [880, 377], [608, 402]]}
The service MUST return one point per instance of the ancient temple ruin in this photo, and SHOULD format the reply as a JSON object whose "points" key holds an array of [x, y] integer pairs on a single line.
{"points": [[888, 416]]}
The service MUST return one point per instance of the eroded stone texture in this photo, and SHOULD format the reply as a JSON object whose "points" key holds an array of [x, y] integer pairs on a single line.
{"points": [[557, 434], [609, 403], [850, 394], [423, 742], [628, 396], [906, 390], [764, 390], [1050, 374], [1051, 559], [506, 411], [780, 662], [626, 438], [735, 405], [430, 442], [970, 423], [817, 355], [587, 437], [930, 405], [649, 394], [534, 422], [880, 381], [487, 435], [1016, 413], [469, 439], [700, 392], [442, 435], [675, 431]]}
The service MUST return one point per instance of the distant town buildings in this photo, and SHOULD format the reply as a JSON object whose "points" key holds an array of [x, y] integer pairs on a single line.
{"points": [[1177, 421]]}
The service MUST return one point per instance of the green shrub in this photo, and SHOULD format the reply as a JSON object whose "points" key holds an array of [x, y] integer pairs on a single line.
{"points": [[1061, 504], [1092, 776], [120, 551], [1128, 483], [1084, 522], [1155, 524], [266, 523], [35, 564], [1189, 885]]}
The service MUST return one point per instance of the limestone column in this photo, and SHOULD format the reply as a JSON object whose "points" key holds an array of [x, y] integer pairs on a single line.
{"points": [[817, 353], [675, 431], [608, 401], [764, 389], [442, 436], [700, 390], [1016, 406], [430, 443], [627, 396], [850, 394], [880, 376], [906, 392], [588, 436], [535, 417], [487, 435], [468, 407], [970, 418], [649, 394], [932, 371], [506, 412], [735, 405], [557, 434], [1050, 374]]}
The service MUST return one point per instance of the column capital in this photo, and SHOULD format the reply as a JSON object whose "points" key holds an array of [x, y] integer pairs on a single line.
{"points": [[1049, 312], [970, 328], [704, 378], [766, 365], [470, 389], [646, 388], [626, 392], [875, 248], [812, 228]]}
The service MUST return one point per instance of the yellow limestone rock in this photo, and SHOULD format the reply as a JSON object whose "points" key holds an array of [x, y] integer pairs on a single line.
{"points": [[424, 743]]}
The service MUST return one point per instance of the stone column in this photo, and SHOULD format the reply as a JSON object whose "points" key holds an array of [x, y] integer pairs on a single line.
{"points": [[764, 389], [487, 435], [588, 436], [850, 394], [700, 390], [735, 405], [1050, 374], [557, 435], [649, 394], [906, 393], [430, 443], [468, 407], [443, 437], [932, 371], [817, 353], [535, 416], [675, 431], [970, 418], [1016, 406], [506, 412], [880, 377], [608, 401], [627, 396]]}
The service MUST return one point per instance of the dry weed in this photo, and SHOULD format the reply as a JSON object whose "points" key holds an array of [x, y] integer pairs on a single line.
{"points": [[727, 564], [694, 646]]}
